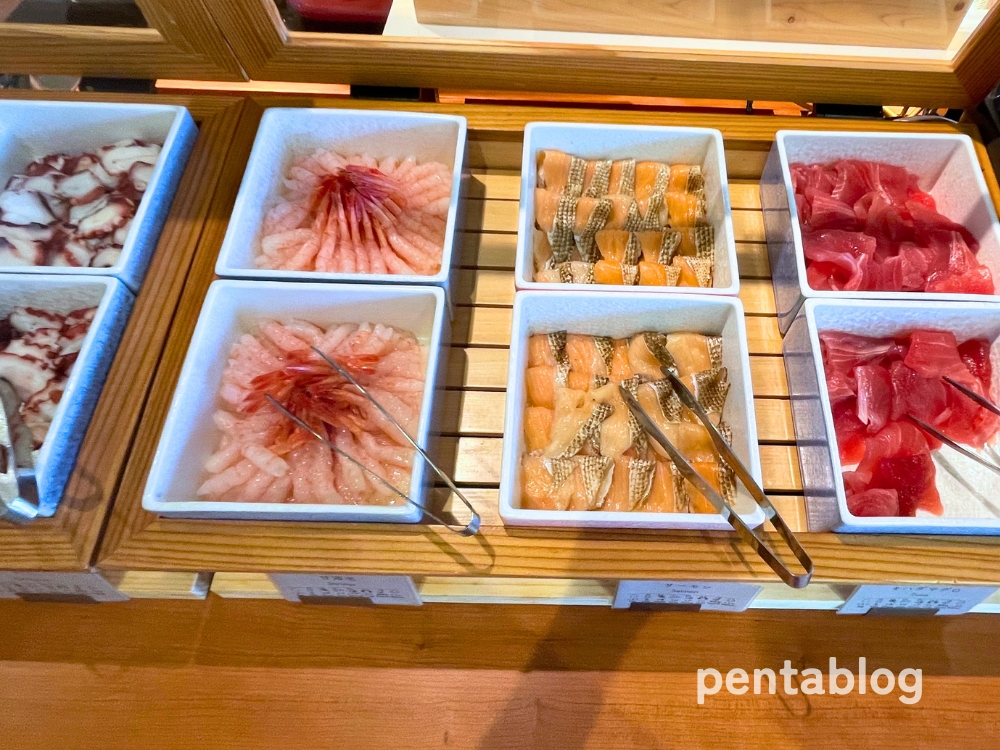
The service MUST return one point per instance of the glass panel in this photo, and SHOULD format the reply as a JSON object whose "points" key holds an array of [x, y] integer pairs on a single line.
{"points": [[73, 12], [335, 16], [914, 29]]}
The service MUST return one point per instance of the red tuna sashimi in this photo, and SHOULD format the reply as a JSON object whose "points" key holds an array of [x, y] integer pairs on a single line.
{"points": [[824, 276], [963, 275], [967, 422], [934, 354], [896, 439], [843, 250], [816, 176], [850, 433], [853, 181], [975, 353], [873, 503], [839, 387], [927, 222], [829, 213], [912, 477], [874, 396], [896, 181], [924, 398], [924, 199], [845, 351], [886, 219]]}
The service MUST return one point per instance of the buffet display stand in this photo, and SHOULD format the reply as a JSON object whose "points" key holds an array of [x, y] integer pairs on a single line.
{"points": [[525, 564], [68, 541]]}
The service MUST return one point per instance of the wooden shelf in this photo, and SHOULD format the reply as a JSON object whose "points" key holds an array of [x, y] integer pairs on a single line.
{"points": [[542, 560], [68, 540]]}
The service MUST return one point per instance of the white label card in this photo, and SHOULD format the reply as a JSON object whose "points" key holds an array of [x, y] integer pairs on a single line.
{"points": [[297, 587], [67, 587], [707, 596], [947, 600]]}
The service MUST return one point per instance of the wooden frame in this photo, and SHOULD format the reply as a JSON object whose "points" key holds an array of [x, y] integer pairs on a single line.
{"points": [[182, 41], [67, 541], [137, 540], [268, 51]]}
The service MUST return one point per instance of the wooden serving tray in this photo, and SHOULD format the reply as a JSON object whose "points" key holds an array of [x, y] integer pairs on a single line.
{"points": [[68, 540], [473, 413]]}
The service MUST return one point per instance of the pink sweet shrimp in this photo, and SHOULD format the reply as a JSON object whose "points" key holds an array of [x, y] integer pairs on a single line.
{"points": [[264, 457], [353, 214]]}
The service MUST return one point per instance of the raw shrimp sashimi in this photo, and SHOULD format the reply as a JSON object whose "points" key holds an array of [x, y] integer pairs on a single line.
{"points": [[356, 214], [264, 457]]}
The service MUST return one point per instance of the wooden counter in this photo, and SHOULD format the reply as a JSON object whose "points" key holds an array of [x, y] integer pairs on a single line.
{"points": [[525, 563]]}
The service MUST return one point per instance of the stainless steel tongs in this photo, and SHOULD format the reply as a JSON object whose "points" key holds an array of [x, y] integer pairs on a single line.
{"points": [[469, 529], [750, 536], [941, 437], [18, 498]]}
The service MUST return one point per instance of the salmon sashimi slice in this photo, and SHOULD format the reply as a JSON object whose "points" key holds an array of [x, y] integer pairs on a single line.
{"points": [[645, 179], [537, 486], [612, 243], [642, 359], [540, 383], [621, 367], [661, 494], [585, 208], [578, 380], [548, 276], [553, 169], [618, 499], [609, 272], [690, 352], [650, 242], [542, 250], [710, 471], [621, 207], [694, 271], [684, 209], [540, 351], [616, 433], [546, 207], [679, 174], [537, 428], [652, 274], [585, 357], [618, 169], [572, 410]]}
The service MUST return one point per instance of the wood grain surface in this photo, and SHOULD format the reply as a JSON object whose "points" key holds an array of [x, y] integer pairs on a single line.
{"points": [[183, 41], [173, 675], [473, 408], [68, 540], [268, 51]]}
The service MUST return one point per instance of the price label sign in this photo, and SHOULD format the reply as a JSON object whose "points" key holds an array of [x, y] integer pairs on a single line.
{"points": [[686, 595], [929, 600], [76, 588], [318, 588]]}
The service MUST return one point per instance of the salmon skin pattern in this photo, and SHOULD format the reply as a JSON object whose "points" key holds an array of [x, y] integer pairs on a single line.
{"points": [[585, 450], [621, 222]]}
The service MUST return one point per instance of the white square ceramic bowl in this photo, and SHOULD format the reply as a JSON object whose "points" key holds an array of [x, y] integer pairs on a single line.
{"points": [[947, 167], [30, 130], [701, 146], [620, 315], [970, 493], [287, 134], [64, 294], [233, 308]]}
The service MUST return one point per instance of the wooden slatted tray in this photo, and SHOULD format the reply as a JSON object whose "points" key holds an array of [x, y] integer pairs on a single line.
{"points": [[68, 540], [473, 416]]}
